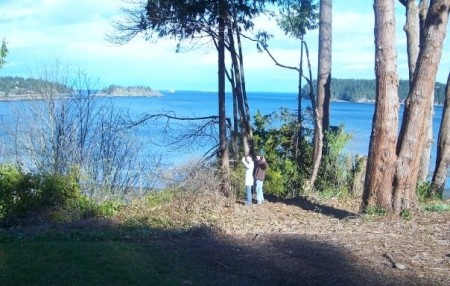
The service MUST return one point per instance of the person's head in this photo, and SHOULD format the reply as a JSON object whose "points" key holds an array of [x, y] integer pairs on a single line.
{"points": [[248, 158], [259, 156]]}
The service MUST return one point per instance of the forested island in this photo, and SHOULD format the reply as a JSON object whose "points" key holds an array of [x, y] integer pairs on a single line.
{"points": [[117, 90], [353, 90], [364, 90], [19, 88]]}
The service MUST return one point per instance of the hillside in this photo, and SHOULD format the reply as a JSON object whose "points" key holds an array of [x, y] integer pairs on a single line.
{"points": [[28, 88], [362, 90], [18, 88], [353, 90]]}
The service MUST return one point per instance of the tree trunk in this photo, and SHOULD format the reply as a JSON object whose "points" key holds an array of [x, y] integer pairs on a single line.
{"points": [[246, 134], [244, 92], [426, 153], [443, 149], [235, 136], [325, 53], [413, 32], [417, 107], [423, 11], [299, 102], [299, 154], [223, 147], [382, 156], [323, 84]]}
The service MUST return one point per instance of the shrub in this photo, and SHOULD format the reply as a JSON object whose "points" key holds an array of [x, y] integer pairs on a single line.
{"points": [[437, 207], [237, 180], [422, 191], [406, 214], [375, 211], [277, 136], [288, 149], [82, 208], [56, 190], [24, 193], [157, 198], [335, 176], [18, 192]]}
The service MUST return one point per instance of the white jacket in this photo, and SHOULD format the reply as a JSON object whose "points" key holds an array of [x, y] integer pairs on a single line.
{"points": [[248, 172]]}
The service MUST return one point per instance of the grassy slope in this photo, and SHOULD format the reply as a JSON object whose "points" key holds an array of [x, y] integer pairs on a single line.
{"points": [[205, 239]]}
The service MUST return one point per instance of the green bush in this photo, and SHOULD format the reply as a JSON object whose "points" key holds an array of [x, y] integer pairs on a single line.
{"points": [[82, 208], [375, 211], [57, 189], [24, 193], [157, 198], [335, 175], [18, 192], [437, 207], [237, 180], [422, 191], [406, 214], [288, 149], [278, 136]]}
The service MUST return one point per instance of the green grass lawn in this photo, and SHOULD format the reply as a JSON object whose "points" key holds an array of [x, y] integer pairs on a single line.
{"points": [[85, 259]]}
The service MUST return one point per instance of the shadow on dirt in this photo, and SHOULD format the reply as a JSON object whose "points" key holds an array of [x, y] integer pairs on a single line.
{"points": [[307, 205], [205, 256]]}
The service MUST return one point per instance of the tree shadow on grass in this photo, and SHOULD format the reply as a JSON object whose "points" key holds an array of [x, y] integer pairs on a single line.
{"points": [[307, 205], [199, 256]]}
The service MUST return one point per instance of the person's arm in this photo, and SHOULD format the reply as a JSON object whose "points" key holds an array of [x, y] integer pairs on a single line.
{"points": [[264, 162], [245, 162]]}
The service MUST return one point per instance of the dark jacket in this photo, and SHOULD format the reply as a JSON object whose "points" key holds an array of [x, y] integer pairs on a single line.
{"points": [[260, 169]]}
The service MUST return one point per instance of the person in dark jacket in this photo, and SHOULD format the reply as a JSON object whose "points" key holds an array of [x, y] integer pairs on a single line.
{"points": [[260, 174]]}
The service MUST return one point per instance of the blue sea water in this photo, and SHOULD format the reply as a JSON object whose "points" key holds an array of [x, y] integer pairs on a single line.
{"points": [[356, 118]]}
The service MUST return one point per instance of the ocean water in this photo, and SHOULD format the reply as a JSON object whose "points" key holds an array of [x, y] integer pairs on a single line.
{"points": [[356, 118]]}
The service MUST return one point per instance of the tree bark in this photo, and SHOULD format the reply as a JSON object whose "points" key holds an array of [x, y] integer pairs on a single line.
{"points": [[443, 149], [299, 154], [412, 31], [412, 28], [245, 118], [415, 19], [223, 148], [323, 84], [244, 91], [235, 136], [425, 155], [417, 107], [299, 99], [381, 158]]}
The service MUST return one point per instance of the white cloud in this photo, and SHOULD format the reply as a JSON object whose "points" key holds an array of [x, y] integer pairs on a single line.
{"points": [[74, 30]]}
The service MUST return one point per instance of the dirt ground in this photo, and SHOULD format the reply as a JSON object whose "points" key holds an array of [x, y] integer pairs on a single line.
{"points": [[299, 242], [302, 242]]}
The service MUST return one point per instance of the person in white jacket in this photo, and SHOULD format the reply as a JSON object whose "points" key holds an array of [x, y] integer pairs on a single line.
{"points": [[249, 165]]}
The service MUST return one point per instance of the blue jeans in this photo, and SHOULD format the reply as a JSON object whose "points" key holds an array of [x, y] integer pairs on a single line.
{"points": [[248, 190], [259, 192]]}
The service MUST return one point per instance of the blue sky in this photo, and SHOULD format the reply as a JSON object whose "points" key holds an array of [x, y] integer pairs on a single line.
{"points": [[73, 31]]}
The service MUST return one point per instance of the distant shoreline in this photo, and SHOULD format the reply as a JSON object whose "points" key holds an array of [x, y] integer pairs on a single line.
{"points": [[27, 97], [153, 93]]}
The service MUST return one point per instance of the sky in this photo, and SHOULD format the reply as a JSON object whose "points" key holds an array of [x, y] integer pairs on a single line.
{"points": [[40, 32]]}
